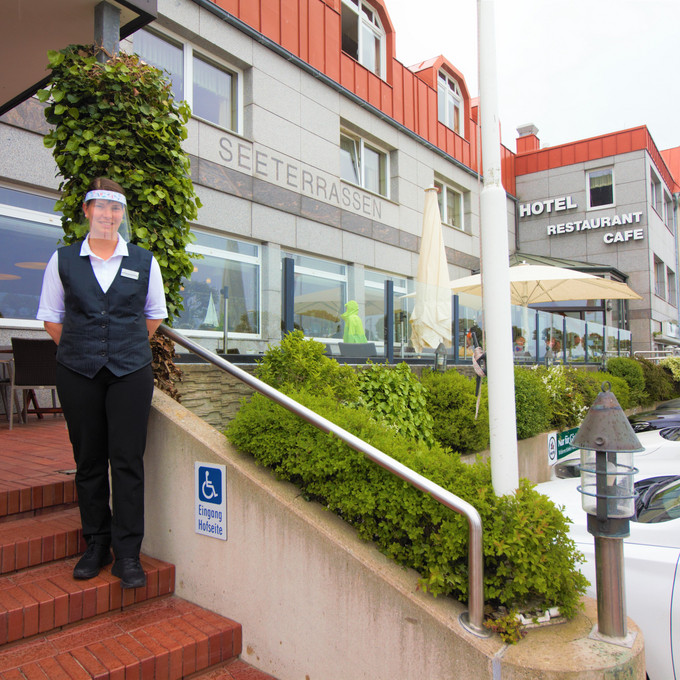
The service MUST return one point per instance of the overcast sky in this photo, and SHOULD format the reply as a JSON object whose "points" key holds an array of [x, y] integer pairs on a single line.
{"points": [[573, 68]]}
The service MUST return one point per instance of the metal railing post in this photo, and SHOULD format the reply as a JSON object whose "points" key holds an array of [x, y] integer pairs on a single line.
{"points": [[473, 619]]}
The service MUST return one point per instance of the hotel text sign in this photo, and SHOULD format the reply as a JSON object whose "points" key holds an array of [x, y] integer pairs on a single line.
{"points": [[556, 205]]}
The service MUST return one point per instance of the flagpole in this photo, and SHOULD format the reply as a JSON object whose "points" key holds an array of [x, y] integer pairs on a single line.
{"points": [[495, 268]]}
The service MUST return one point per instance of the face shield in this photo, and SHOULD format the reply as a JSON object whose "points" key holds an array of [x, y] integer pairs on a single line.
{"points": [[106, 213]]}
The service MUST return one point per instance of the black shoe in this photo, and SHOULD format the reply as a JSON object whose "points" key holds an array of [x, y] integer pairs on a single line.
{"points": [[96, 556], [130, 572]]}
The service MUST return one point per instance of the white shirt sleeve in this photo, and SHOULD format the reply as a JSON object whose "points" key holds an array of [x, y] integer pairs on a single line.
{"points": [[155, 307], [51, 307]]}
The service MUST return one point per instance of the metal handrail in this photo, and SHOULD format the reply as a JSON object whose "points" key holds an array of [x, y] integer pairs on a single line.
{"points": [[472, 621]]}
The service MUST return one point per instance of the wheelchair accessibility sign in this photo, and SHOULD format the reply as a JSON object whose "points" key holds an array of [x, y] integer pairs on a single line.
{"points": [[210, 515]]}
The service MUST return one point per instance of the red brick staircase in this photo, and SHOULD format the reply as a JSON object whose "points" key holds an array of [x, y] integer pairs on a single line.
{"points": [[54, 627]]}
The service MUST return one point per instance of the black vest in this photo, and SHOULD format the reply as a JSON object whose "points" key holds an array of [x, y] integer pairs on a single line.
{"points": [[104, 329]]}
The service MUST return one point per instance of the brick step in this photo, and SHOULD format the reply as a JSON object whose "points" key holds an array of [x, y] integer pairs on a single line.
{"points": [[37, 600], [31, 541], [232, 670], [162, 639]]}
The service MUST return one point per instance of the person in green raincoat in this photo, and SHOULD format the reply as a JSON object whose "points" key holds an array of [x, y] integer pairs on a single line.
{"points": [[354, 329]]}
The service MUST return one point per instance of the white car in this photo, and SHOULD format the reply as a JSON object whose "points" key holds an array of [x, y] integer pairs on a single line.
{"points": [[651, 552]]}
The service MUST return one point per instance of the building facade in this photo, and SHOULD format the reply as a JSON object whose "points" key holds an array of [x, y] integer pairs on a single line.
{"points": [[610, 203], [304, 143], [309, 140]]}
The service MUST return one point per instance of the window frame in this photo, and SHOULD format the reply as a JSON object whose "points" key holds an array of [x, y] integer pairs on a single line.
{"points": [[444, 189], [376, 27], [195, 248], [323, 274], [671, 285], [452, 91], [655, 193], [589, 174], [189, 51], [659, 277], [362, 145], [40, 218]]}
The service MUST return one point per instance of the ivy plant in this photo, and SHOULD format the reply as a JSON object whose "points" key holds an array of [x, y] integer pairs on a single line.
{"points": [[118, 119]]}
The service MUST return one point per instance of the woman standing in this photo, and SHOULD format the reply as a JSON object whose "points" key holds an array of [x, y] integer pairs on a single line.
{"points": [[101, 301]]}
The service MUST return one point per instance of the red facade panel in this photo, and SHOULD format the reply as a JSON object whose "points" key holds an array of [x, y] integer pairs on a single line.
{"points": [[398, 93], [315, 34], [333, 47], [542, 161], [609, 145], [249, 12], [409, 99], [432, 115], [347, 72], [303, 24], [421, 107], [361, 81], [386, 98], [230, 6], [270, 19], [374, 97], [554, 157], [290, 25], [624, 142]]}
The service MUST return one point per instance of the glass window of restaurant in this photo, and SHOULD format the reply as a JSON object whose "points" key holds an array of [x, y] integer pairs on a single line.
{"points": [[374, 317], [319, 297], [224, 265], [30, 231]]}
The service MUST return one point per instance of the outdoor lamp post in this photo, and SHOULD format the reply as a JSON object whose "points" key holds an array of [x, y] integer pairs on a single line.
{"points": [[607, 444], [440, 358]]}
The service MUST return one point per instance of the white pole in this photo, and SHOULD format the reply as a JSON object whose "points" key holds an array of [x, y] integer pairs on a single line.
{"points": [[494, 264]]}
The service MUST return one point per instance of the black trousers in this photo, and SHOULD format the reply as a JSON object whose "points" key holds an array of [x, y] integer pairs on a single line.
{"points": [[107, 420]]}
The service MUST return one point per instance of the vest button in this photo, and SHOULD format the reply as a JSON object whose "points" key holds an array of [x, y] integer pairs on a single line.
{"points": [[103, 353], [103, 339], [103, 311]]}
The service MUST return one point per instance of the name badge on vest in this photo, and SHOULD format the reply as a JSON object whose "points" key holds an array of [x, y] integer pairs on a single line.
{"points": [[129, 274]]}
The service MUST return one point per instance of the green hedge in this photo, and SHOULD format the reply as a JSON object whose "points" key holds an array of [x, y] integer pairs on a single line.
{"points": [[659, 383], [532, 403], [631, 371], [451, 402], [528, 556]]}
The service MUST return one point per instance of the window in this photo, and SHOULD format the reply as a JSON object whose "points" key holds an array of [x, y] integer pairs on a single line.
{"points": [[374, 317], [659, 278], [600, 188], [449, 101], [29, 232], [363, 164], [667, 211], [363, 35], [210, 89], [450, 205], [670, 277], [319, 297], [226, 266], [655, 192]]}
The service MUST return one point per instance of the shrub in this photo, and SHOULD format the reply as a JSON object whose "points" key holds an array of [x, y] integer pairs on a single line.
{"points": [[659, 384], [297, 363], [631, 371], [532, 403], [589, 385], [451, 402], [672, 365], [528, 556], [394, 395], [567, 403]]}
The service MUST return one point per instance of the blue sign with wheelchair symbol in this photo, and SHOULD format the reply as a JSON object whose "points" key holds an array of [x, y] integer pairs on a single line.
{"points": [[210, 485]]}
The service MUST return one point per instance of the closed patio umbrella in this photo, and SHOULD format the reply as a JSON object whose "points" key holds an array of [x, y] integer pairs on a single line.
{"points": [[431, 316]]}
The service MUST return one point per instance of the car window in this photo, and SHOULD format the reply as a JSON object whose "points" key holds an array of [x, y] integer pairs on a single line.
{"points": [[658, 499], [671, 433]]}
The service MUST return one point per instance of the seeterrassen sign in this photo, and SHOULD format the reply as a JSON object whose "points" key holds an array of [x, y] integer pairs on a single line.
{"points": [[556, 205]]}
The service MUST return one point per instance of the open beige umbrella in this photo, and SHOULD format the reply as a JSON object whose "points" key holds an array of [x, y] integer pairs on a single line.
{"points": [[431, 316], [530, 284]]}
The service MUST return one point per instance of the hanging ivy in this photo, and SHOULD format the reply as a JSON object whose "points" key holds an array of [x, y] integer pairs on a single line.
{"points": [[118, 119]]}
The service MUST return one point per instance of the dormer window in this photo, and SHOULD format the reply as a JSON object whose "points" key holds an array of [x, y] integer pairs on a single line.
{"points": [[363, 37], [450, 101]]}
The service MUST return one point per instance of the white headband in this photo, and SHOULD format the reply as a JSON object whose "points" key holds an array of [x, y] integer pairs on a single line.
{"points": [[106, 195]]}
